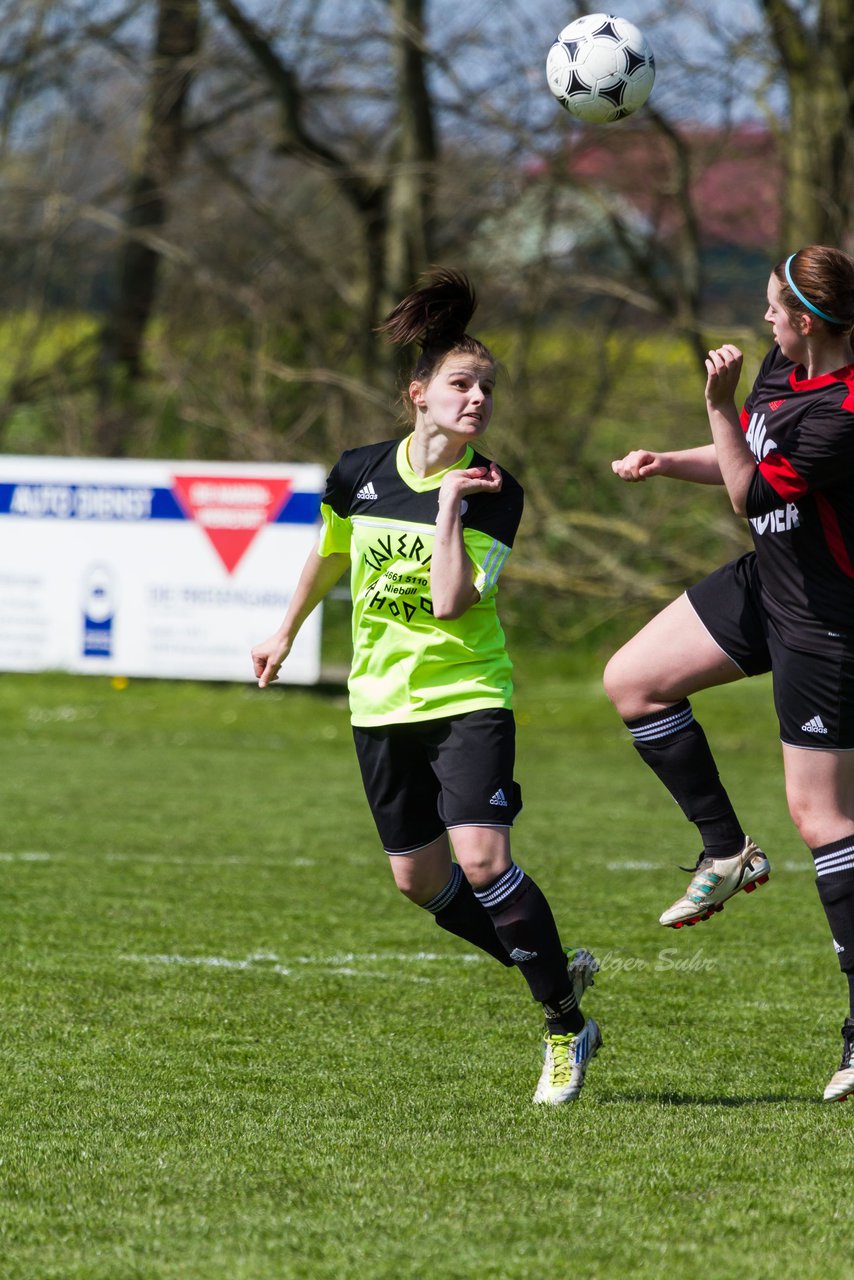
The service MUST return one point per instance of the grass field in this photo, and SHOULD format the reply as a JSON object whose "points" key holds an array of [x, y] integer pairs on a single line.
{"points": [[231, 1052]]}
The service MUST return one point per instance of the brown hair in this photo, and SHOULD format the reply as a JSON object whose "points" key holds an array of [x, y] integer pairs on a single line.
{"points": [[435, 315], [825, 277]]}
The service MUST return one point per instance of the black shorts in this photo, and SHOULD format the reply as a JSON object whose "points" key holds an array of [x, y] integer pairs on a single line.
{"points": [[426, 776], [813, 691]]}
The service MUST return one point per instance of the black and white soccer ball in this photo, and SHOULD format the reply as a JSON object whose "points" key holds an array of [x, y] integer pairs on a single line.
{"points": [[600, 68]]}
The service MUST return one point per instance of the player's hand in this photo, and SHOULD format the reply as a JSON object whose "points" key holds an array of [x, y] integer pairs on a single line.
{"points": [[640, 464], [267, 657], [457, 484], [723, 370]]}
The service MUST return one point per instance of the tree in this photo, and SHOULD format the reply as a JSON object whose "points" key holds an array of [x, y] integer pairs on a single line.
{"points": [[410, 239], [817, 59], [164, 137], [391, 192]]}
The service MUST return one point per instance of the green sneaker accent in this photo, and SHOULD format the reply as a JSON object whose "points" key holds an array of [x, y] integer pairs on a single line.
{"points": [[566, 1061], [714, 882]]}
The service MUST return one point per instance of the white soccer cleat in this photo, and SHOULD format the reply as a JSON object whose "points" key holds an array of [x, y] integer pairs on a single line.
{"points": [[841, 1084], [714, 882], [566, 1060], [581, 966]]}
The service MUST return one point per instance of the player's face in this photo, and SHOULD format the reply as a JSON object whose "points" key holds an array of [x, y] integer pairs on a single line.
{"points": [[458, 398], [787, 335]]}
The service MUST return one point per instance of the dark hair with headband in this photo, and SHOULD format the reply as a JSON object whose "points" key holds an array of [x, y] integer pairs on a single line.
{"points": [[435, 315], [821, 280]]}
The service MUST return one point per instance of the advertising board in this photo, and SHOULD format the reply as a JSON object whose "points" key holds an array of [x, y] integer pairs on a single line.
{"points": [[153, 568]]}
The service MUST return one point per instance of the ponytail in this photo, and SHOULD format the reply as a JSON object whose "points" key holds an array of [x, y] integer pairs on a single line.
{"points": [[435, 315]]}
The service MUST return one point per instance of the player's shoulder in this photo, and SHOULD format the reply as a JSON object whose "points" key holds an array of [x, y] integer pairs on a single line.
{"points": [[510, 486], [496, 514], [354, 466], [366, 455]]}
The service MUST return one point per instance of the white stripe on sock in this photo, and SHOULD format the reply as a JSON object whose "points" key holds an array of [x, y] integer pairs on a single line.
{"points": [[663, 727]]}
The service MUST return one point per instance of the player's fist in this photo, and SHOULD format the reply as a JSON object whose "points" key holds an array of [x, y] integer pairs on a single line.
{"points": [[640, 464], [267, 657]]}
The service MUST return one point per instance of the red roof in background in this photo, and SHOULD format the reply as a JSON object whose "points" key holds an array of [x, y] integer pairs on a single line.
{"points": [[737, 175]]}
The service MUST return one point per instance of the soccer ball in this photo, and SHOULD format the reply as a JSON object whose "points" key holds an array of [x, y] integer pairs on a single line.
{"points": [[600, 68]]}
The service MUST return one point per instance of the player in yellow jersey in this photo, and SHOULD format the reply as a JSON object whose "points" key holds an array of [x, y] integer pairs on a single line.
{"points": [[425, 525]]}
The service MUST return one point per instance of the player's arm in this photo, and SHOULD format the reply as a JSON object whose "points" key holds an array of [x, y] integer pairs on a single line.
{"points": [[737, 464], [318, 577], [452, 573], [699, 466]]}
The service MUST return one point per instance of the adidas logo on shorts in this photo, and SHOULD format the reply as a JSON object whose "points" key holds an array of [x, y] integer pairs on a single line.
{"points": [[815, 725], [499, 798], [367, 494]]}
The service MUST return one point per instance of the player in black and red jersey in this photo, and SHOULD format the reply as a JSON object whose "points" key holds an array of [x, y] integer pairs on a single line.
{"points": [[787, 607]]}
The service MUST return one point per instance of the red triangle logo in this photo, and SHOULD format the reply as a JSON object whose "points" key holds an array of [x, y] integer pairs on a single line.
{"points": [[231, 509]]}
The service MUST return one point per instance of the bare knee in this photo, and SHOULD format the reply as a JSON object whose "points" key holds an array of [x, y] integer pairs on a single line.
{"points": [[413, 892], [414, 882], [808, 829], [482, 852], [421, 875], [811, 824], [816, 823], [625, 686], [613, 679], [672, 657], [482, 871]]}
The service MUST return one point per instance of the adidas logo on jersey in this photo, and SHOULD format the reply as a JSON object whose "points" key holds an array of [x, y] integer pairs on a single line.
{"points": [[815, 725], [367, 494], [499, 798], [775, 404]]}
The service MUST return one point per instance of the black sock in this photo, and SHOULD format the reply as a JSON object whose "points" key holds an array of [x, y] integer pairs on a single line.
{"points": [[525, 925], [457, 910], [675, 748], [563, 1016], [834, 868]]}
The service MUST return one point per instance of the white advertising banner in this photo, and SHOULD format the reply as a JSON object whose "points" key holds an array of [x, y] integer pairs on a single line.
{"points": [[164, 569]]}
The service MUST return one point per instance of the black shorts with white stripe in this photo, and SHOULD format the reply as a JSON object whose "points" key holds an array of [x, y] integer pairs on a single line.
{"points": [[813, 689], [425, 776]]}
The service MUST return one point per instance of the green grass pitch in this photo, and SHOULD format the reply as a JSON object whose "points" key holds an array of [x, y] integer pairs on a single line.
{"points": [[230, 1051]]}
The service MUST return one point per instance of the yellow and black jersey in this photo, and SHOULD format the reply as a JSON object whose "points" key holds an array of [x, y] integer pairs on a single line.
{"points": [[407, 664]]}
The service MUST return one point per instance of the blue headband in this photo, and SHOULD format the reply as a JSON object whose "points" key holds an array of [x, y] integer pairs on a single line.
{"points": [[809, 305]]}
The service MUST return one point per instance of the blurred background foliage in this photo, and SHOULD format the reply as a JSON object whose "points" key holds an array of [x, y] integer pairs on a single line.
{"points": [[208, 204]]}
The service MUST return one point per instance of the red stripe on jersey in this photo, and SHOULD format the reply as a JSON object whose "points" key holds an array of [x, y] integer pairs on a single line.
{"points": [[833, 534], [782, 476], [844, 375], [848, 379]]}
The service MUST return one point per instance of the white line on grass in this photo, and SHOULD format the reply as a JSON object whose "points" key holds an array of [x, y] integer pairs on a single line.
{"points": [[635, 866], [348, 965], [155, 860]]}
